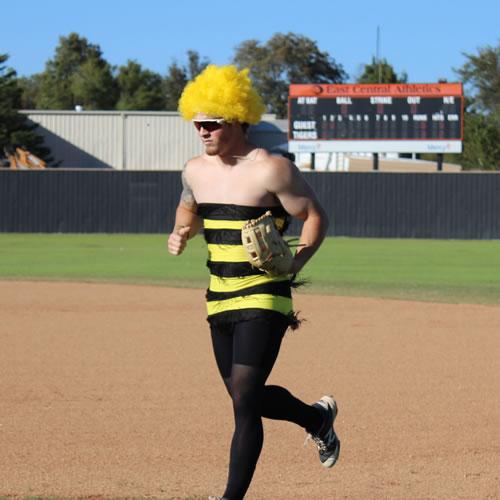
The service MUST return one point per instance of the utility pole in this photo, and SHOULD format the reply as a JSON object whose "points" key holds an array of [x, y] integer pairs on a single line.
{"points": [[377, 57]]}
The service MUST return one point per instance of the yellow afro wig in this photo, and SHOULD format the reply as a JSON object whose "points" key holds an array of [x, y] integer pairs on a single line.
{"points": [[222, 91]]}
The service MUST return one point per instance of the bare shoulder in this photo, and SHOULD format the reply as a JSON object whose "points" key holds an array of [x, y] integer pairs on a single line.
{"points": [[197, 160], [278, 172], [188, 177], [194, 164], [195, 170]]}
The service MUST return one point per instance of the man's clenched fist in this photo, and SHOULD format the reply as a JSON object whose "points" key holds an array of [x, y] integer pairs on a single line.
{"points": [[177, 240]]}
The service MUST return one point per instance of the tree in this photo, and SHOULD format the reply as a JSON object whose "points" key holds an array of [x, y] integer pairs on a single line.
{"points": [[284, 59], [30, 89], [178, 76], [481, 74], [14, 127], [195, 64], [174, 83], [481, 148], [77, 74], [139, 89], [381, 72], [93, 85]]}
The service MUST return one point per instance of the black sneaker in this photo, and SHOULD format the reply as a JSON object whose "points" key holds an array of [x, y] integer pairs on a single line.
{"points": [[326, 440]]}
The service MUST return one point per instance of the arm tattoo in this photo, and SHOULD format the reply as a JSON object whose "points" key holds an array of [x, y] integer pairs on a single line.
{"points": [[187, 196]]}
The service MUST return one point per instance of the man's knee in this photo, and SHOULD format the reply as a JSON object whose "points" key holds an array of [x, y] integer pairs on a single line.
{"points": [[247, 400]]}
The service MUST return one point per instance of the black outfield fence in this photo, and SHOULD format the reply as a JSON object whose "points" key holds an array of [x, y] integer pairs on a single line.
{"points": [[371, 204]]}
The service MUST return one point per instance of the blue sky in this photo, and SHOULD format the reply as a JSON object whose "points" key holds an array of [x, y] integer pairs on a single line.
{"points": [[425, 38]]}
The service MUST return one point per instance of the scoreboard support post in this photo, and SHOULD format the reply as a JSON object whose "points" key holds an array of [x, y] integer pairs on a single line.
{"points": [[440, 162]]}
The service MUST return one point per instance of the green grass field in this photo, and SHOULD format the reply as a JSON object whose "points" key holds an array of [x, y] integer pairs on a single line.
{"points": [[431, 270]]}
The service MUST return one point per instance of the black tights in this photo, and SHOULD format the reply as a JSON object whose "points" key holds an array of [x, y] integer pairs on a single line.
{"points": [[245, 353]]}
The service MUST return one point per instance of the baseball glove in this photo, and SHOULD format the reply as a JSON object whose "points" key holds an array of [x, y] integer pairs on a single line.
{"points": [[265, 247]]}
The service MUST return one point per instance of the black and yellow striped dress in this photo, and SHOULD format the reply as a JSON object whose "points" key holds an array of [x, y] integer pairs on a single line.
{"points": [[237, 290]]}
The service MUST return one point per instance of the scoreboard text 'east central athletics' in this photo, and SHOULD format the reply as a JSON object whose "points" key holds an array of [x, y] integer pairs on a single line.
{"points": [[403, 117]]}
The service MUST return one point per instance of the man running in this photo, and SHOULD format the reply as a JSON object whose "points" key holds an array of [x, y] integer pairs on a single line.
{"points": [[248, 310]]}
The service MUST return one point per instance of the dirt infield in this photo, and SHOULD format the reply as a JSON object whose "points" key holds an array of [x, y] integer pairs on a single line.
{"points": [[112, 391]]}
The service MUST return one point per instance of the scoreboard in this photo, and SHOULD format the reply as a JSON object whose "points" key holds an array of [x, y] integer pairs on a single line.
{"points": [[376, 118]]}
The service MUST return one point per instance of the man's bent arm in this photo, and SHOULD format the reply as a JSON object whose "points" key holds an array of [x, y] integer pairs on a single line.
{"points": [[186, 215], [299, 200], [312, 235]]}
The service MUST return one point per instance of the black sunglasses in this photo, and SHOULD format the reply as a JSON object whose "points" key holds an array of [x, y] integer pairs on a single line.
{"points": [[209, 125]]}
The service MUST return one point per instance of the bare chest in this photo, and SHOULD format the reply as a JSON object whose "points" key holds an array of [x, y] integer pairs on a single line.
{"points": [[238, 185]]}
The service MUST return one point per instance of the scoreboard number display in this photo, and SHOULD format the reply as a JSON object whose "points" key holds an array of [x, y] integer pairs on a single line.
{"points": [[376, 118]]}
